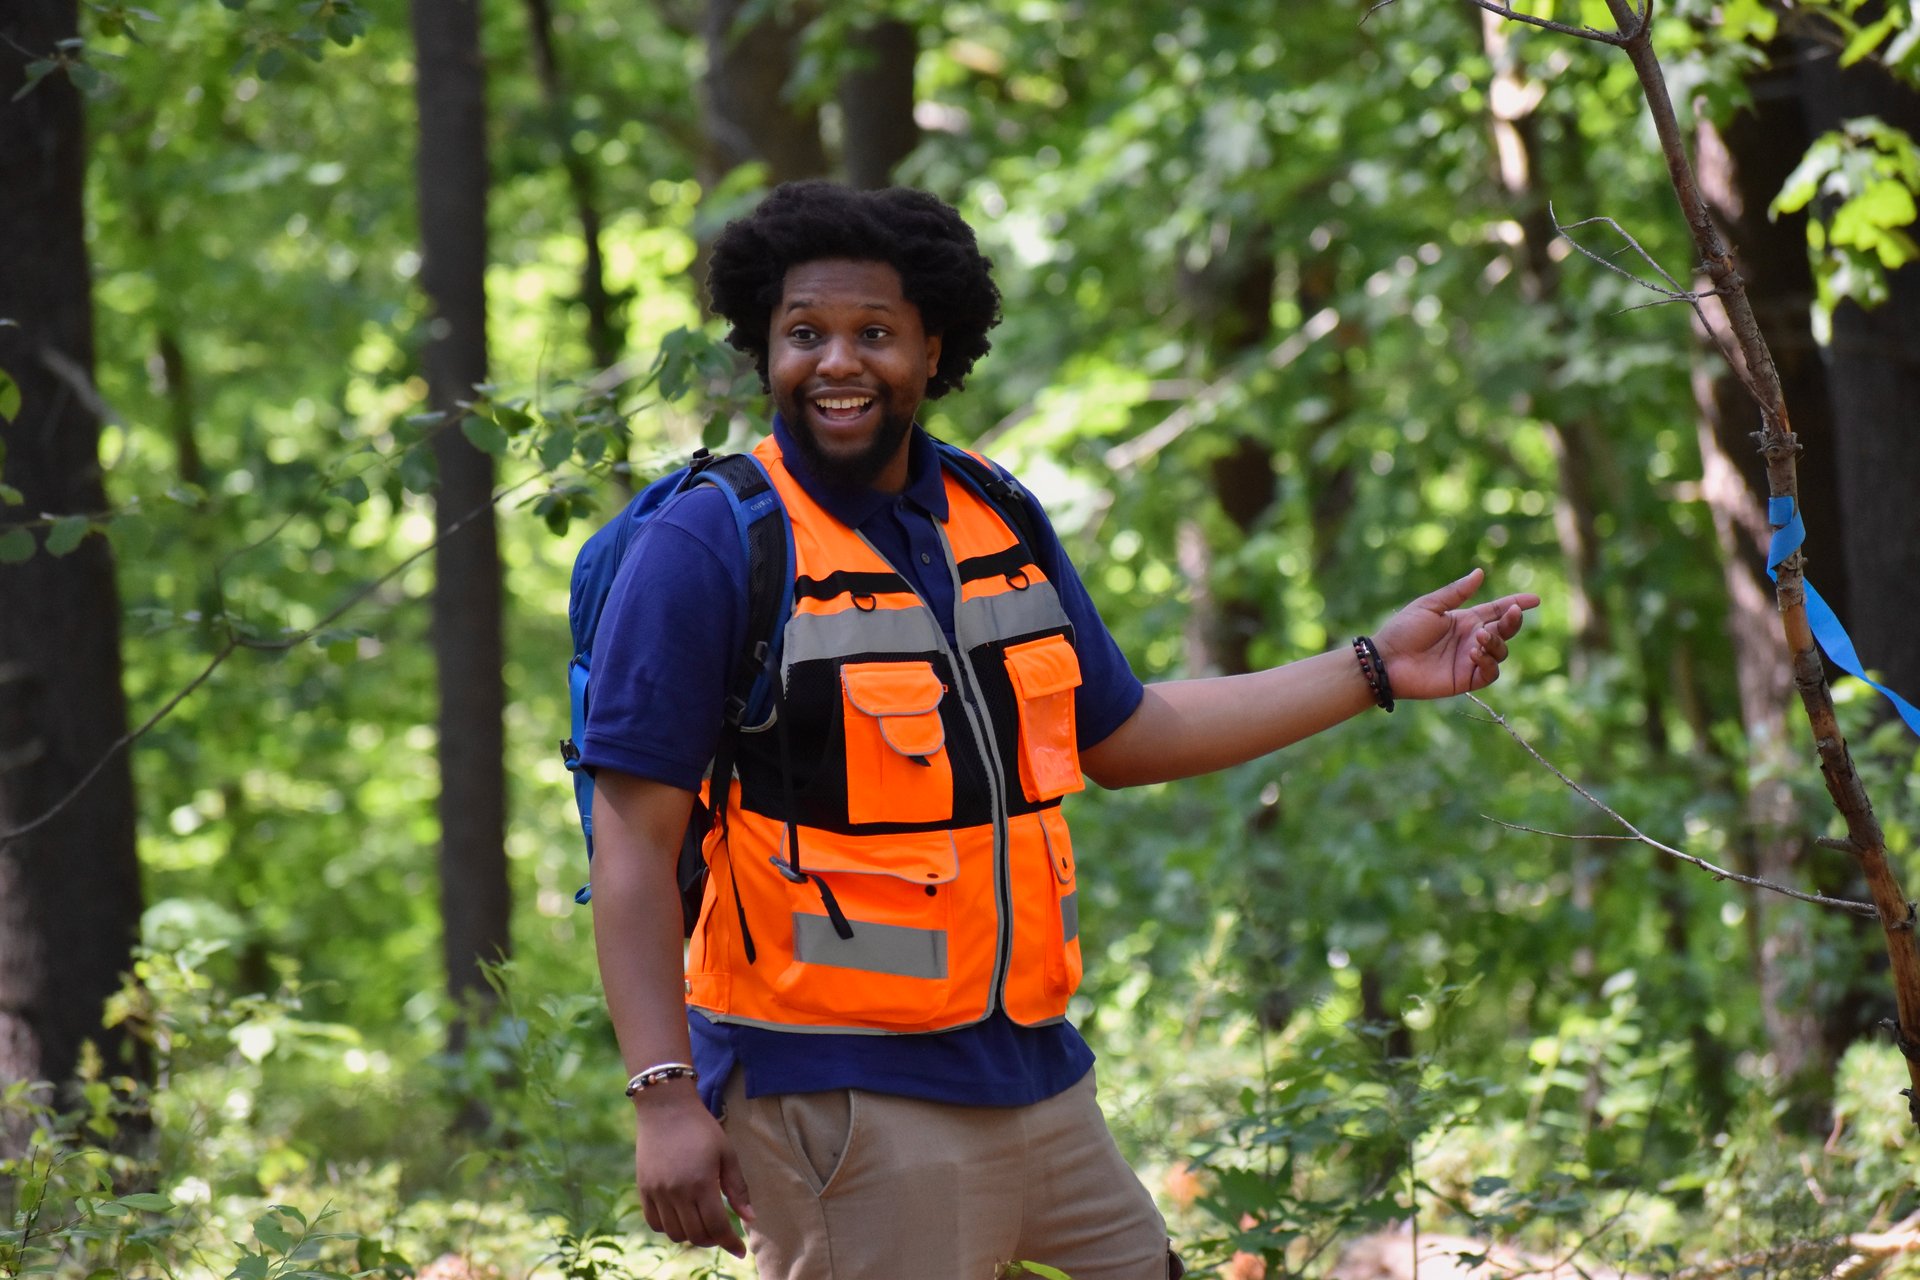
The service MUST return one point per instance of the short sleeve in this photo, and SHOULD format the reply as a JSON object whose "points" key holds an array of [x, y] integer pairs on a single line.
{"points": [[675, 619]]}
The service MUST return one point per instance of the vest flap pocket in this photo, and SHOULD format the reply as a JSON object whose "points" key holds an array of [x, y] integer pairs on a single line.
{"points": [[1042, 667], [925, 857], [893, 688], [1044, 673], [897, 763]]}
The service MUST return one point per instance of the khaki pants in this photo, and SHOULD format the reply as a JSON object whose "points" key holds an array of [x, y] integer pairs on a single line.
{"points": [[851, 1185]]}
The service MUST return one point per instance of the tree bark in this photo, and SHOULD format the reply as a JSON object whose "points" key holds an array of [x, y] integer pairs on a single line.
{"points": [[1874, 381], [749, 112], [450, 89], [605, 337], [70, 897], [876, 103]]}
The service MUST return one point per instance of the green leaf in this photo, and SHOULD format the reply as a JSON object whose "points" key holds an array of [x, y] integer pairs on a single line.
{"points": [[272, 1233], [272, 63], [37, 70], [1869, 38], [9, 397], [417, 471], [484, 435], [10, 496], [148, 1200], [1043, 1270], [88, 79], [352, 490], [557, 447], [66, 534], [512, 417]]}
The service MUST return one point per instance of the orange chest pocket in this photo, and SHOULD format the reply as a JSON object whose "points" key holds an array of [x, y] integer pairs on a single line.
{"points": [[898, 769], [1044, 673]]}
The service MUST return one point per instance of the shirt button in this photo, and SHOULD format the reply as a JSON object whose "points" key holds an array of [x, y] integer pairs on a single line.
{"points": [[925, 558]]}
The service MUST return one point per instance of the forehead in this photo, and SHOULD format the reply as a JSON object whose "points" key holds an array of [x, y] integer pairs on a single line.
{"points": [[842, 282]]}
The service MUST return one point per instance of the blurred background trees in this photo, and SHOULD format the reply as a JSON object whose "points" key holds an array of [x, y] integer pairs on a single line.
{"points": [[1290, 337]]}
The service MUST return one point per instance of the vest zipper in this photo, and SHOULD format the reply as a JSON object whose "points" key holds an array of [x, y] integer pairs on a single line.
{"points": [[973, 704]]}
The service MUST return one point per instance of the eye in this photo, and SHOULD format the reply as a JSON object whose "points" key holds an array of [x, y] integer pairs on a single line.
{"points": [[876, 333], [801, 333]]}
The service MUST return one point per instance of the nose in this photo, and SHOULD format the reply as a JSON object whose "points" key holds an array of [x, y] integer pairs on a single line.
{"points": [[839, 358]]}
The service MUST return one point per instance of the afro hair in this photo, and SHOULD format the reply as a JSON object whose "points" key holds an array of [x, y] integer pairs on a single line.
{"points": [[942, 271]]}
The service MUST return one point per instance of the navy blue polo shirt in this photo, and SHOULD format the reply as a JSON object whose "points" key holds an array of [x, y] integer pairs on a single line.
{"points": [[674, 621]]}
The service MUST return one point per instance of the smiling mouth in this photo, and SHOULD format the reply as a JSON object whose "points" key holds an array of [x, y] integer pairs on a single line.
{"points": [[841, 408]]}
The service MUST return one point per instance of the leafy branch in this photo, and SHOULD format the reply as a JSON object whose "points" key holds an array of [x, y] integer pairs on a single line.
{"points": [[1865, 839], [582, 433]]}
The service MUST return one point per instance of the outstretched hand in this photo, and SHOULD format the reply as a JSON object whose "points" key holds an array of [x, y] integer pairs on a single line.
{"points": [[1434, 648]]}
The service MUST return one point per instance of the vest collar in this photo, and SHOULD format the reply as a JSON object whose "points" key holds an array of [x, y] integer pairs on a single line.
{"points": [[926, 486]]}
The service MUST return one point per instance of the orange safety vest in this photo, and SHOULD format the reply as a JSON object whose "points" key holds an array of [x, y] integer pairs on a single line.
{"points": [[913, 873]]}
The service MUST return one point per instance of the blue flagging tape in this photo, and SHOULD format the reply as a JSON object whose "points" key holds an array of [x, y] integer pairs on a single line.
{"points": [[1788, 534]]}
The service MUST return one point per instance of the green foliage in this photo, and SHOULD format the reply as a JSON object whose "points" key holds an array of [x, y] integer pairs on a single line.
{"points": [[1323, 985], [1865, 176]]}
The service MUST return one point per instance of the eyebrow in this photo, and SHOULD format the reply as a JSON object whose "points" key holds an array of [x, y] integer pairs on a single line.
{"points": [[800, 304]]}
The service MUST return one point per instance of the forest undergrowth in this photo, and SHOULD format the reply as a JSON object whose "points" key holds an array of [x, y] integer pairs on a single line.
{"points": [[274, 1147]]}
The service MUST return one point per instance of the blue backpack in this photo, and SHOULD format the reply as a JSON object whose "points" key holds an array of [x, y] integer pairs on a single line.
{"points": [[760, 519]]}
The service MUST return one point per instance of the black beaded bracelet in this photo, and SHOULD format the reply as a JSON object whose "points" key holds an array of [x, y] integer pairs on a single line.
{"points": [[1374, 668]]}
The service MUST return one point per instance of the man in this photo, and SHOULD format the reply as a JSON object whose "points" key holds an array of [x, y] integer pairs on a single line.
{"points": [[864, 1051]]}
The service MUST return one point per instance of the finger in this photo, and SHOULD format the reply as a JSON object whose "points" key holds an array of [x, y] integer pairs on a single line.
{"points": [[733, 1185], [651, 1213], [1455, 593], [716, 1228]]}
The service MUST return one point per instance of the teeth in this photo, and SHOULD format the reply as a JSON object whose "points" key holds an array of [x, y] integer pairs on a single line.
{"points": [[844, 403]]}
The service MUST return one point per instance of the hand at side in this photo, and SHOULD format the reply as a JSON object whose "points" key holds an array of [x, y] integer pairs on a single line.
{"points": [[683, 1167]]}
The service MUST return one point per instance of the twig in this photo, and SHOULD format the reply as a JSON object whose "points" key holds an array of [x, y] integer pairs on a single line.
{"points": [[1674, 293], [1505, 11], [235, 642], [1864, 909], [1174, 425]]}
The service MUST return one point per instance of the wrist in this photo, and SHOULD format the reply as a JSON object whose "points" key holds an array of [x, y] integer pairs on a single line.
{"points": [[1373, 670], [669, 1095]]}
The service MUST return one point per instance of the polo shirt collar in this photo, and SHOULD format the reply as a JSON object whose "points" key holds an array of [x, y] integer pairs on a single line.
{"points": [[926, 488]]}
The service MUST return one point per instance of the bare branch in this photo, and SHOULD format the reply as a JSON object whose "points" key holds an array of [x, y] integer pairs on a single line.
{"points": [[1672, 292], [1578, 33], [235, 642], [1174, 425], [1864, 909]]}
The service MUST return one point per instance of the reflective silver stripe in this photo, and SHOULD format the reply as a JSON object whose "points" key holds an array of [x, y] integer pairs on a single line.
{"points": [[1070, 916], [1011, 613], [812, 636], [875, 948], [806, 1029]]}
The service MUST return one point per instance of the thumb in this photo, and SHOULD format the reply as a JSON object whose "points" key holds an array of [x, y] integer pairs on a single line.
{"points": [[733, 1184], [1455, 593]]}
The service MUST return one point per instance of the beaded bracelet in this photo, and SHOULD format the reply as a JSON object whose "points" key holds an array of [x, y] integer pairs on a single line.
{"points": [[1374, 668], [660, 1075]]}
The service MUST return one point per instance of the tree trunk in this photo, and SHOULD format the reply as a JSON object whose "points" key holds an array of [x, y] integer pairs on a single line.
{"points": [[70, 897], [749, 113], [604, 330], [1739, 174], [450, 87], [1874, 382], [876, 104]]}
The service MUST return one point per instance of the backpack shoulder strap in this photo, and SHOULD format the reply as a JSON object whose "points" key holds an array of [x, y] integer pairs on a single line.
{"points": [[998, 488], [759, 519]]}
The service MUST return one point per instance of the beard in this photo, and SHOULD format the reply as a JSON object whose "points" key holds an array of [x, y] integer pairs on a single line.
{"points": [[856, 470]]}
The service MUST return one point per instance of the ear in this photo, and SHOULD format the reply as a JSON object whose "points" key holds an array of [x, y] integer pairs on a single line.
{"points": [[933, 354]]}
